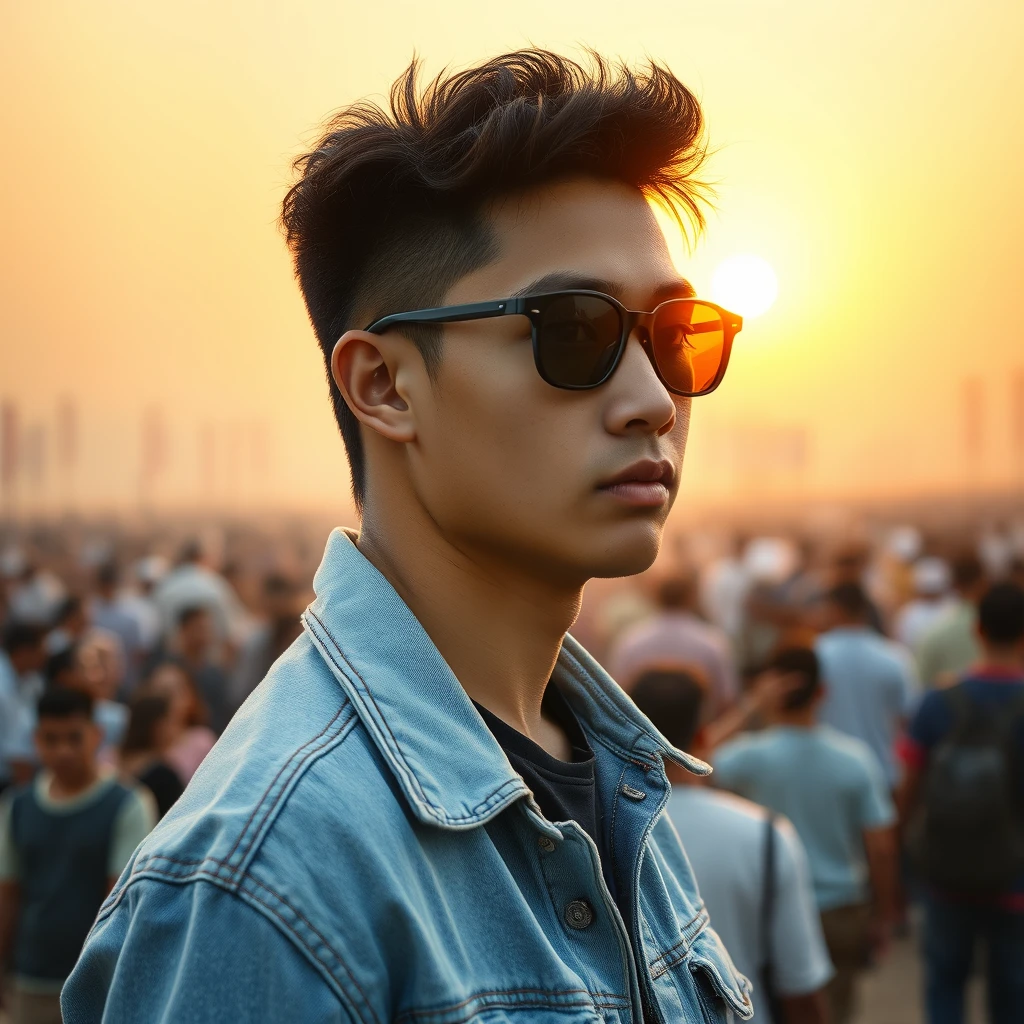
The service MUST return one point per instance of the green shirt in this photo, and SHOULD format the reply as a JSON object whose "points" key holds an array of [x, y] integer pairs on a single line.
{"points": [[950, 647]]}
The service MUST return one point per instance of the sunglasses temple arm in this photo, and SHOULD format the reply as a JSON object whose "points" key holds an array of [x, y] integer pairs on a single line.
{"points": [[446, 314]]}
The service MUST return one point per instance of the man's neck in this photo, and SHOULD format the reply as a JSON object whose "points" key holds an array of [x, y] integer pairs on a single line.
{"points": [[1003, 659], [800, 718], [499, 628], [68, 789]]}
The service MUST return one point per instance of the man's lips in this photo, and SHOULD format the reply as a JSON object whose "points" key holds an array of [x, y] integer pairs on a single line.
{"points": [[646, 483]]}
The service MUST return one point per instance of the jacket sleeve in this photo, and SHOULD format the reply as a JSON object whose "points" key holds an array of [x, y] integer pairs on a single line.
{"points": [[193, 952]]}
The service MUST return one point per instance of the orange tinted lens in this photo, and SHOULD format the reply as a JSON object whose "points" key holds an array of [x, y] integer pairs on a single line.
{"points": [[689, 345]]}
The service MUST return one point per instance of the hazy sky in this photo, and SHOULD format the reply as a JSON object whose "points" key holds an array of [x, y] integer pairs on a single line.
{"points": [[871, 152]]}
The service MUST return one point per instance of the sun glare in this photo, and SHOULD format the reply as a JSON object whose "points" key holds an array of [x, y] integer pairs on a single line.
{"points": [[745, 284]]}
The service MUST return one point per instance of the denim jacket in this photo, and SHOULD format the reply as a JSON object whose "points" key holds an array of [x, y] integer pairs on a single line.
{"points": [[357, 848]]}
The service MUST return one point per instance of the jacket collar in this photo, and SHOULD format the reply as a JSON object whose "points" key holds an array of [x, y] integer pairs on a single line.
{"points": [[449, 766]]}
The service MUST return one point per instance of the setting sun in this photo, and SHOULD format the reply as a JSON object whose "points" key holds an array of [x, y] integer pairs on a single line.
{"points": [[745, 284]]}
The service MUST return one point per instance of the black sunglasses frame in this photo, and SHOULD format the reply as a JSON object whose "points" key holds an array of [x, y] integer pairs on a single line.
{"points": [[531, 306]]}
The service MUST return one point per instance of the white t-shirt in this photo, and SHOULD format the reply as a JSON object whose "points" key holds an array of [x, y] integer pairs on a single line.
{"points": [[724, 837]]}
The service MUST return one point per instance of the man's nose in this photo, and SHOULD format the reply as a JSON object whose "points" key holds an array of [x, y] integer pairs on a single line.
{"points": [[640, 403]]}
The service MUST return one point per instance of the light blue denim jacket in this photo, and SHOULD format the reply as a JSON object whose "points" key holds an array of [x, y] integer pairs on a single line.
{"points": [[357, 848]]}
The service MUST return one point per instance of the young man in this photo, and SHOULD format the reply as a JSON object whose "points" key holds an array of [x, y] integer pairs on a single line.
{"points": [[832, 789], [437, 806], [64, 839], [964, 754], [870, 682], [768, 921]]}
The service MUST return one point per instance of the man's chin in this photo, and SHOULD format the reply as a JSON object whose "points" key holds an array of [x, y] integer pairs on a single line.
{"points": [[630, 549]]}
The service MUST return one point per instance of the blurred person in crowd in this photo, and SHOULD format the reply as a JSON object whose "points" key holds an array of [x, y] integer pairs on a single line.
{"points": [[494, 476], [951, 646], [100, 664], [931, 580], [1016, 573], [831, 787], [724, 585], [193, 737], [194, 643], [137, 601], [282, 602], [107, 611], [151, 734], [852, 564], [22, 658], [768, 920], [69, 626], [870, 682], [676, 635], [64, 839], [191, 584], [34, 593], [963, 804]]}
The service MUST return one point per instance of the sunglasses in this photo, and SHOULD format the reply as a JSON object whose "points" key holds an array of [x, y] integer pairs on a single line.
{"points": [[579, 336]]}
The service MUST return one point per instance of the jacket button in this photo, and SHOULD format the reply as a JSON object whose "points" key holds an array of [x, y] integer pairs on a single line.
{"points": [[546, 843], [579, 914]]}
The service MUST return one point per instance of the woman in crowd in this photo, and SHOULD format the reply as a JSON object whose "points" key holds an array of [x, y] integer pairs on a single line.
{"points": [[194, 739], [151, 734]]}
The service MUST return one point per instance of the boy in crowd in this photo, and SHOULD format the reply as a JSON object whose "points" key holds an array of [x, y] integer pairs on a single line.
{"points": [[437, 806], [64, 839], [963, 803], [769, 922], [832, 789]]}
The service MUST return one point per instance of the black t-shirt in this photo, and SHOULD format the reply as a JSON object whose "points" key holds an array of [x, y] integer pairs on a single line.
{"points": [[163, 782], [564, 790]]}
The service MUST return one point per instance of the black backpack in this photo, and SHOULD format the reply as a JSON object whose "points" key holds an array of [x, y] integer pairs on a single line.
{"points": [[970, 834]]}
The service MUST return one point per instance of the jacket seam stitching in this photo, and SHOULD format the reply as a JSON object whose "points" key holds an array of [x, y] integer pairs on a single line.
{"points": [[289, 763], [198, 872], [610, 1002], [440, 812]]}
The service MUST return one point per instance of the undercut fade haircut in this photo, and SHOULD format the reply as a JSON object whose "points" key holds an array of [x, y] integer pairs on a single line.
{"points": [[387, 212]]}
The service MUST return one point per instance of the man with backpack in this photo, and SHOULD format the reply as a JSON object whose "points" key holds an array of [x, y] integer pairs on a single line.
{"points": [[963, 801]]}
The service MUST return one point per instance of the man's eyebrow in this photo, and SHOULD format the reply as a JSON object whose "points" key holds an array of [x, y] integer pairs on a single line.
{"points": [[568, 281]]}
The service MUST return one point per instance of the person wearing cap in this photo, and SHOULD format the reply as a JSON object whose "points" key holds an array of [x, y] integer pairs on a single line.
{"points": [[931, 579]]}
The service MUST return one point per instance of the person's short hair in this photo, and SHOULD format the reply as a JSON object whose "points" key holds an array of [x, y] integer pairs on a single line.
{"points": [[71, 605], [801, 661], [851, 598], [967, 570], [1001, 614], [673, 699], [60, 663], [190, 613], [64, 702], [108, 574], [20, 636], [677, 592], [386, 214], [146, 711]]}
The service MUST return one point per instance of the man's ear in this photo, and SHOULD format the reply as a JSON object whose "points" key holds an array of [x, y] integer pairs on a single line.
{"points": [[365, 368]]}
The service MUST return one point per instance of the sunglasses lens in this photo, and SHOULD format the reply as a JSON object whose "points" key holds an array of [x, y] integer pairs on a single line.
{"points": [[689, 345], [577, 339]]}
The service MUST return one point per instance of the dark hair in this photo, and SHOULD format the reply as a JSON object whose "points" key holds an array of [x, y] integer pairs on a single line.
{"points": [[800, 661], [677, 591], [199, 714], [71, 605], [193, 611], [107, 575], [673, 699], [967, 570], [852, 599], [386, 213], [147, 711], [1001, 614], [59, 663], [19, 635], [64, 702]]}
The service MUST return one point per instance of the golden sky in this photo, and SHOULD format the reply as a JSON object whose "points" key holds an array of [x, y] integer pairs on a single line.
{"points": [[872, 153]]}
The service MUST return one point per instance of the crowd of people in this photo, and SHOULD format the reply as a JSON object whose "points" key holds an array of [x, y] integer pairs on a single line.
{"points": [[861, 702]]}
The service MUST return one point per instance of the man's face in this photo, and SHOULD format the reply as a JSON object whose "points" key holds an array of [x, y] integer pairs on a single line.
{"points": [[67, 746], [513, 468]]}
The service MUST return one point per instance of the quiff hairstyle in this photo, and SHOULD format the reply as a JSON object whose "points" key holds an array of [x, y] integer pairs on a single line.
{"points": [[387, 215]]}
